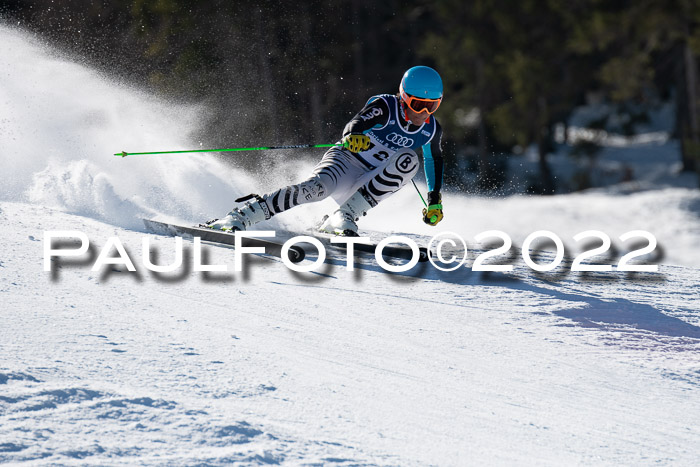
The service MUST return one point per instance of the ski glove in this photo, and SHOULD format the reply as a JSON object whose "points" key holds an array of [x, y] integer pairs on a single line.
{"points": [[433, 213], [356, 143]]}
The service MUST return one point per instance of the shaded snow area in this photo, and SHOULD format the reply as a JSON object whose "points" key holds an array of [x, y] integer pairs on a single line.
{"points": [[332, 367]]}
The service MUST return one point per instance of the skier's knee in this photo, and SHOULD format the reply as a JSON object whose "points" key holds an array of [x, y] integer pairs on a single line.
{"points": [[313, 189]]}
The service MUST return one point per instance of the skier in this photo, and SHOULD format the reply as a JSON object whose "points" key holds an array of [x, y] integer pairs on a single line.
{"points": [[376, 159]]}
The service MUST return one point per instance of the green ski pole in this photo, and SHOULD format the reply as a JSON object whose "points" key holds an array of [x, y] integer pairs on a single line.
{"points": [[421, 196], [261, 148], [432, 219]]}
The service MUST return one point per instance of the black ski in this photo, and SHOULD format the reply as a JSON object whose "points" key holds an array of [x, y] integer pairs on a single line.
{"points": [[392, 251], [296, 253]]}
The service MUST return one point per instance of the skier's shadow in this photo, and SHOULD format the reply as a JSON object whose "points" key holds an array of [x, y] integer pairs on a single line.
{"points": [[612, 313], [595, 312], [600, 313]]}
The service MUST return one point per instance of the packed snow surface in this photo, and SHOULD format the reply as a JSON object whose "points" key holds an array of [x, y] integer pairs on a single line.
{"points": [[328, 367]]}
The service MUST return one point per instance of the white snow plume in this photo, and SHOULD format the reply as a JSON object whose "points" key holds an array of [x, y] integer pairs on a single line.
{"points": [[76, 188], [61, 123]]}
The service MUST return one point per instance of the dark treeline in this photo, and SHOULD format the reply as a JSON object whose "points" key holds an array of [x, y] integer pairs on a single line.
{"points": [[295, 72]]}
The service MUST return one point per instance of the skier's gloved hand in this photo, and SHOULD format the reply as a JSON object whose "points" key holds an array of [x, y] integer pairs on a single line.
{"points": [[355, 142], [433, 213]]}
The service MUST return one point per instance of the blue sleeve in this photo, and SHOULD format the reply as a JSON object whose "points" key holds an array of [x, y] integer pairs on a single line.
{"points": [[433, 162]]}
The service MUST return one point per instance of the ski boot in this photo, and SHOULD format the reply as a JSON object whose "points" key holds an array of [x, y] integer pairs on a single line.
{"points": [[343, 222], [252, 212]]}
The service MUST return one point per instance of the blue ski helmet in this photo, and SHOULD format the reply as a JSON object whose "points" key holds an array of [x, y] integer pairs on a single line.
{"points": [[422, 82]]}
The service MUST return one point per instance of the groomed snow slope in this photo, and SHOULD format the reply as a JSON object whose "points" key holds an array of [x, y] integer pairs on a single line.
{"points": [[349, 368], [345, 367]]}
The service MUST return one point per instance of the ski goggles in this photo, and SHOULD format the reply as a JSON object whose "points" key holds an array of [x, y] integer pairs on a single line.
{"points": [[418, 104]]}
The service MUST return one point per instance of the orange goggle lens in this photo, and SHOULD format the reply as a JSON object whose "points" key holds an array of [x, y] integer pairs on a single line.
{"points": [[419, 105]]}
